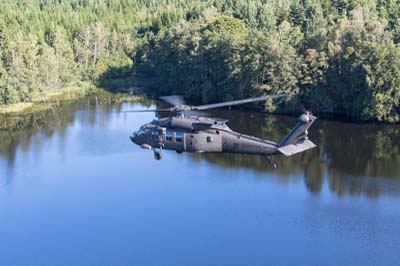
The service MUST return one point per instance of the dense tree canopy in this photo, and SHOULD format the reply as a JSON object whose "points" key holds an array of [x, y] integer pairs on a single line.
{"points": [[342, 57]]}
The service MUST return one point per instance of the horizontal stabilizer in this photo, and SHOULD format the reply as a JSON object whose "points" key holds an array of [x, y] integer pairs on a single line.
{"points": [[291, 149]]}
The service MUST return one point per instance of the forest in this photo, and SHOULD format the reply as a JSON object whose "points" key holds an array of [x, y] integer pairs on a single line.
{"points": [[341, 58]]}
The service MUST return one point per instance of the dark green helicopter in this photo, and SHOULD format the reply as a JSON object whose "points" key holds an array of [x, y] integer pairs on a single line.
{"points": [[190, 130]]}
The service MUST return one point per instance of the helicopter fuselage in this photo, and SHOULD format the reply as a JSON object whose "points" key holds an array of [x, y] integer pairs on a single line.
{"points": [[184, 134]]}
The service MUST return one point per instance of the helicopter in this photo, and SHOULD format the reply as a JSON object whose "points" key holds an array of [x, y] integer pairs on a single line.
{"points": [[191, 130]]}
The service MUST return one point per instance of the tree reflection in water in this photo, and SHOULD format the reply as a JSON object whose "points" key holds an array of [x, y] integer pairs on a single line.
{"points": [[350, 158]]}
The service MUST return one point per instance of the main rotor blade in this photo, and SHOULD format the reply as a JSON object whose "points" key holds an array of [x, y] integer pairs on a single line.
{"points": [[148, 110], [250, 100], [193, 113], [174, 100]]}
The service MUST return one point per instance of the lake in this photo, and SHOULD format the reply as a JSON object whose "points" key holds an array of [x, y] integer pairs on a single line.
{"points": [[75, 191]]}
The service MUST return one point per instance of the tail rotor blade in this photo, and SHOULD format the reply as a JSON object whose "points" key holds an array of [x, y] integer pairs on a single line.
{"points": [[302, 108], [296, 105]]}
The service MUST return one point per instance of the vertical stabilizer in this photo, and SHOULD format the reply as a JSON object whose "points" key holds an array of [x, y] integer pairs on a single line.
{"points": [[297, 139]]}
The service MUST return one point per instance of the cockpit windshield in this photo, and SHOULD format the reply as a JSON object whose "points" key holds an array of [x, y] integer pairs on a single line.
{"points": [[141, 131]]}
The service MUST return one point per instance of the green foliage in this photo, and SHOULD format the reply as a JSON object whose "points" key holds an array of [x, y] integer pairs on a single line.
{"points": [[10, 95], [337, 66], [341, 56]]}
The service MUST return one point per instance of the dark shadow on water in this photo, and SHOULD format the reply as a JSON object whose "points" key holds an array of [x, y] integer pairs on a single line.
{"points": [[124, 79]]}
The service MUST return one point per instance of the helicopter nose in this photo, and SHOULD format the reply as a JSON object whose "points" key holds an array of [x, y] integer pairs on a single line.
{"points": [[132, 137]]}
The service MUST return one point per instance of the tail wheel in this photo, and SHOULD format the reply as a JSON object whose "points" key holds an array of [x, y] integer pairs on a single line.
{"points": [[270, 162], [157, 155]]}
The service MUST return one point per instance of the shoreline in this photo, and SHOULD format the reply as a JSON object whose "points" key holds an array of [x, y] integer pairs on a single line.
{"points": [[46, 101], [14, 116]]}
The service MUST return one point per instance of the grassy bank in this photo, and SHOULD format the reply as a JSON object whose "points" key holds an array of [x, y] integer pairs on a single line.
{"points": [[43, 101], [47, 99], [16, 116]]}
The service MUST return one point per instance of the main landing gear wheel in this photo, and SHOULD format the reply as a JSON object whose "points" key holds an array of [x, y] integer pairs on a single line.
{"points": [[157, 155]]}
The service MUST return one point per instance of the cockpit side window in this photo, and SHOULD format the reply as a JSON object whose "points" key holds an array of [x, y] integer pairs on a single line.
{"points": [[141, 131]]}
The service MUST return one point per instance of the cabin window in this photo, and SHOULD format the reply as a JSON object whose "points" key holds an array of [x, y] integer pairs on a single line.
{"points": [[179, 136], [209, 139], [169, 136], [155, 134]]}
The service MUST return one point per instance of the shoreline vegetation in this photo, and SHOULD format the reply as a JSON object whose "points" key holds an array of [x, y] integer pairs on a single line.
{"points": [[341, 59], [45, 100], [15, 116]]}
